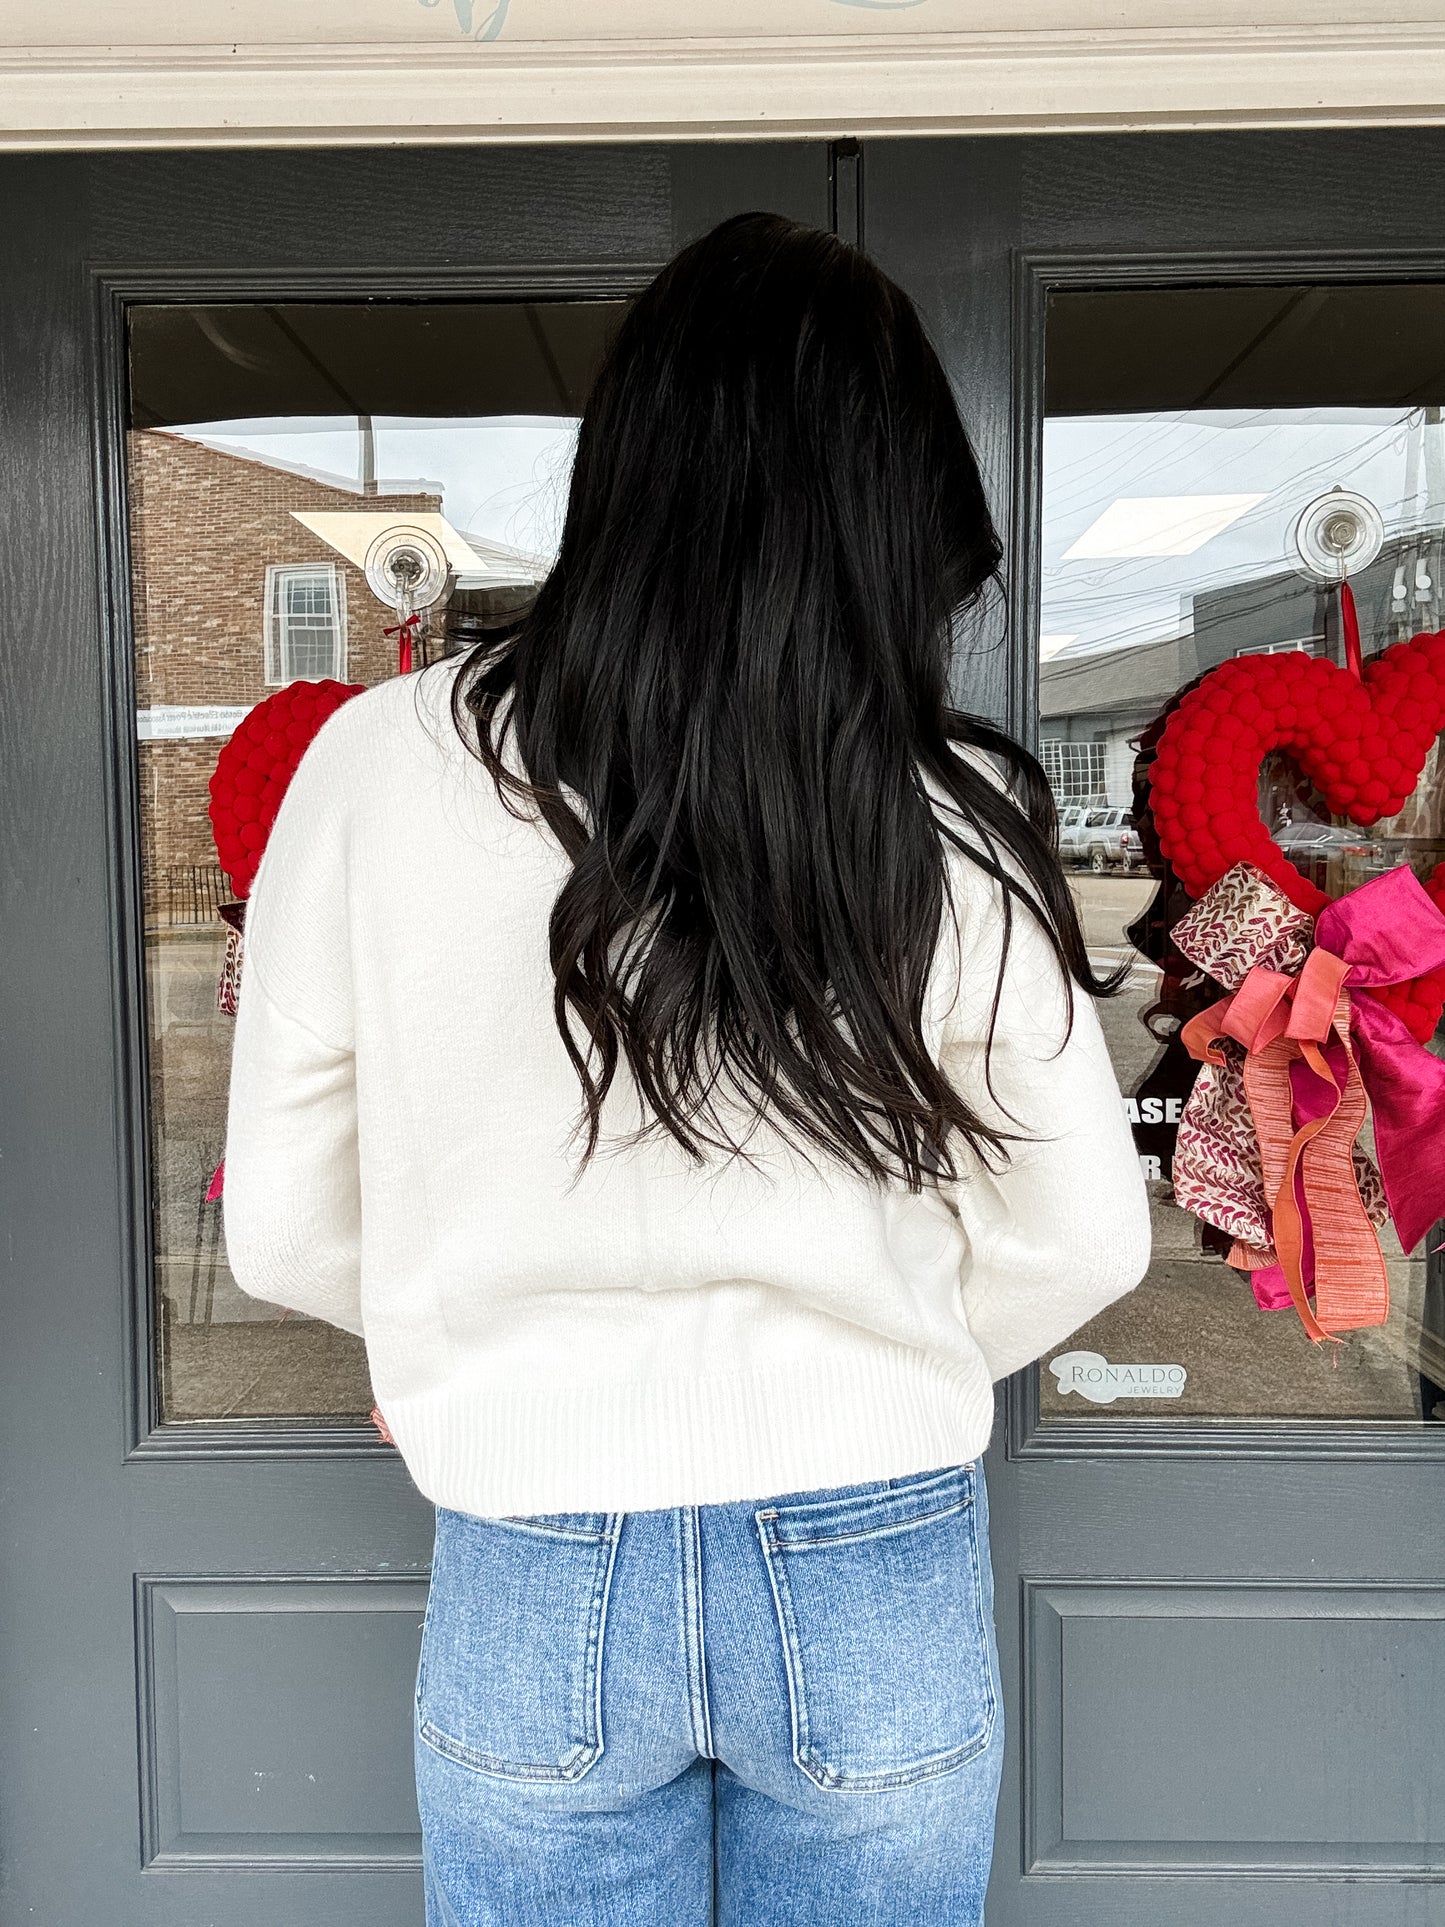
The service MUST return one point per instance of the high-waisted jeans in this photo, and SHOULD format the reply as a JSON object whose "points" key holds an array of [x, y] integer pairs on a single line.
{"points": [[780, 1711]]}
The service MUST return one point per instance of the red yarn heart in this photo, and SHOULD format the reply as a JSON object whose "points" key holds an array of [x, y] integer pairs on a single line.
{"points": [[1362, 742], [257, 763]]}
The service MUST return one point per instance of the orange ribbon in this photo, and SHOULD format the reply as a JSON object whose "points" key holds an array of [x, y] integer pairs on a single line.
{"points": [[1307, 1121]]}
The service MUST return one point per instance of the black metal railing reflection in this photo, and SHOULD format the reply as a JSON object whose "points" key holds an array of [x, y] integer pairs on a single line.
{"points": [[195, 892]]}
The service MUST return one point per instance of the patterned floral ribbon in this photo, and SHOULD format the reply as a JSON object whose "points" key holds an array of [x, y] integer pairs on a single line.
{"points": [[228, 994], [1241, 922]]}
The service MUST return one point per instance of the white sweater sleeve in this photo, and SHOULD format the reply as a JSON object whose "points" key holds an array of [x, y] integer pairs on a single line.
{"points": [[292, 1190], [1063, 1229]]}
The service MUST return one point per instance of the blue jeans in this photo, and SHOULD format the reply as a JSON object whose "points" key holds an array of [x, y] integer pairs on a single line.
{"points": [[754, 1714]]}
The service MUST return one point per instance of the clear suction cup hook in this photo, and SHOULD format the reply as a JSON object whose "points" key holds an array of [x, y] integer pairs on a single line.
{"points": [[1338, 534], [406, 568]]}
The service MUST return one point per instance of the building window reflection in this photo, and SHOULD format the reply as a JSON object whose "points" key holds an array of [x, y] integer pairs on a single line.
{"points": [[305, 624]]}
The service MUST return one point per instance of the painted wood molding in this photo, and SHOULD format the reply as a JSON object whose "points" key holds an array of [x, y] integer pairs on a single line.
{"points": [[311, 94]]}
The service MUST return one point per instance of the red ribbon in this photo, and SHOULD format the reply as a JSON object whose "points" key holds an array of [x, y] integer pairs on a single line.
{"points": [[1350, 623], [405, 630]]}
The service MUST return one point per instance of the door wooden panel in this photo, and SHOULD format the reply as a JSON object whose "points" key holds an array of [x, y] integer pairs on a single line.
{"points": [[1200, 1728], [270, 1710], [1248, 1728], [182, 1604]]}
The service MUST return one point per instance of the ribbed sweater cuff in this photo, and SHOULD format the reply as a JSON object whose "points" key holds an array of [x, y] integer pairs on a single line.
{"points": [[489, 1449]]}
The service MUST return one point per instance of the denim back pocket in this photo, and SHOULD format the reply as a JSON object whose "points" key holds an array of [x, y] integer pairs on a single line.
{"points": [[510, 1677], [880, 1601]]}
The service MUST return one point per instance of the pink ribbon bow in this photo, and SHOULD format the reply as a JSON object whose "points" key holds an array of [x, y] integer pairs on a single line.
{"points": [[1388, 931], [1317, 1044]]}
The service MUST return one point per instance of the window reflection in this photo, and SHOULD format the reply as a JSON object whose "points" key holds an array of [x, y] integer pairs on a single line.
{"points": [[1186, 431], [270, 447]]}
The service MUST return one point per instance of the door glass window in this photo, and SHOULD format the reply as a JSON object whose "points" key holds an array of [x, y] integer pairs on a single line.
{"points": [[1187, 432], [271, 448]]}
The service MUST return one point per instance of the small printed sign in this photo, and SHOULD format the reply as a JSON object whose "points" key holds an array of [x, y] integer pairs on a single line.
{"points": [[1094, 1378], [174, 722], [1154, 1110]]}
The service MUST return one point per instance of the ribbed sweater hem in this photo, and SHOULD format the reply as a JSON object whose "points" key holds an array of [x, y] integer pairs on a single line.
{"points": [[493, 1449]]}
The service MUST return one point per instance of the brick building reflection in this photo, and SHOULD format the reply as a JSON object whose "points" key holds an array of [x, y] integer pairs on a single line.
{"points": [[230, 593]]}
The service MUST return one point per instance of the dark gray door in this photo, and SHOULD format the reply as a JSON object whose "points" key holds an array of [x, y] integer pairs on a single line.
{"points": [[1220, 1612], [214, 1572], [1222, 1606]]}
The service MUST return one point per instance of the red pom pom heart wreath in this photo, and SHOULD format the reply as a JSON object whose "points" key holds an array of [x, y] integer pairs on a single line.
{"points": [[1362, 741], [255, 766]]}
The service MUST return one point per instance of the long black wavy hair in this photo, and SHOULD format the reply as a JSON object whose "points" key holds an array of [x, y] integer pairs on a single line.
{"points": [[730, 696]]}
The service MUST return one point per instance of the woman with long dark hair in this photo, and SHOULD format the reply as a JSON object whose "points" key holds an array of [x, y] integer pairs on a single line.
{"points": [[669, 1040]]}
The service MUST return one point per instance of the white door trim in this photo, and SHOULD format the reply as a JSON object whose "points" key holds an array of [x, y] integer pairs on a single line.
{"points": [[620, 89]]}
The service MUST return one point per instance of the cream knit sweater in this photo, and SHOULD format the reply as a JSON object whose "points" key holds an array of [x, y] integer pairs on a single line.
{"points": [[400, 1162]]}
